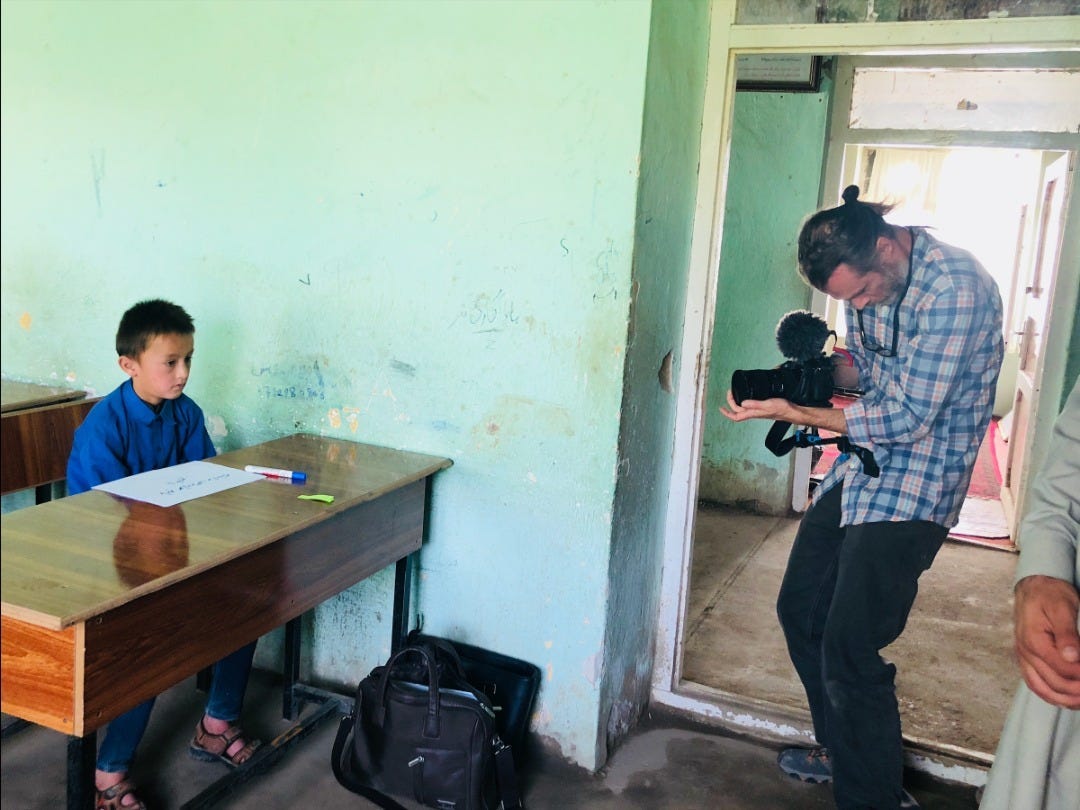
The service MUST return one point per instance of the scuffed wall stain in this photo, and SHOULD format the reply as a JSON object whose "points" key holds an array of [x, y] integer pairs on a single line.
{"points": [[97, 174], [746, 484], [352, 418], [443, 425], [403, 368], [215, 425], [516, 417], [25, 320], [592, 666]]}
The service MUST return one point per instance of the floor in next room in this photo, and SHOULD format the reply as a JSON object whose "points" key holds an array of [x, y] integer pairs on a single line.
{"points": [[956, 674]]}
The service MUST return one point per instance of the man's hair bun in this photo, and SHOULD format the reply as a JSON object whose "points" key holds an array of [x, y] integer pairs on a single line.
{"points": [[851, 194]]}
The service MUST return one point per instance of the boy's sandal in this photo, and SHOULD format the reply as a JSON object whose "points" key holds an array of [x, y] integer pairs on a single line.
{"points": [[215, 747], [112, 798]]}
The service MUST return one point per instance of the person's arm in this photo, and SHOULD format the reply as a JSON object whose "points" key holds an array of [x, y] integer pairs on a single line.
{"points": [[831, 419], [1047, 645], [97, 454], [1047, 602], [195, 443]]}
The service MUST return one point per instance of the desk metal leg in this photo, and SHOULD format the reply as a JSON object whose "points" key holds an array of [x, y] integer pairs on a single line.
{"points": [[402, 595], [290, 669], [43, 493], [81, 754]]}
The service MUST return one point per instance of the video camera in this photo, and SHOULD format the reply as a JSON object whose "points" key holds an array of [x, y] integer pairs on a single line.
{"points": [[806, 378]]}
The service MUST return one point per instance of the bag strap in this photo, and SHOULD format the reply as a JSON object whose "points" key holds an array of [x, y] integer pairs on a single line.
{"points": [[506, 776], [342, 744], [779, 446]]}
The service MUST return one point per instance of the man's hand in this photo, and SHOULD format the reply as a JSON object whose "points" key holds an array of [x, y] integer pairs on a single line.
{"points": [[776, 409], [1047, 643], [780, 410]]}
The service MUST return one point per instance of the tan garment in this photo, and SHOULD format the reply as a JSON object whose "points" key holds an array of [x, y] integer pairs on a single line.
{"points": [[1037, 764]]}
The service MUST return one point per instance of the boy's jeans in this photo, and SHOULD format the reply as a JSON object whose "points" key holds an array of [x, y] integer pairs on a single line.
{"points": [[846, 595], [227, 686]]}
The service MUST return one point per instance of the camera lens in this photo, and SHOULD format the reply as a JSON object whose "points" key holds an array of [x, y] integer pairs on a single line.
{"points": [[757, 384]]}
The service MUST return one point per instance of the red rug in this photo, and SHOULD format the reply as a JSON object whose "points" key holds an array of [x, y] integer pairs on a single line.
{"points": [[986, 477], [982, 518]]}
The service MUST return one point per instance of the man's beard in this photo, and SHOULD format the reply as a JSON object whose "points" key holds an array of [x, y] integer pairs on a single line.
{"points": [[896, 276]]}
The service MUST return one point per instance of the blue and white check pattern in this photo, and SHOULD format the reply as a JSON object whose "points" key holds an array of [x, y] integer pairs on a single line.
{"points": [[925, 411]]}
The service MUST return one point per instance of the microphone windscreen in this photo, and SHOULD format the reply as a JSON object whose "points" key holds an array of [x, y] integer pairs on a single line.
{"points": [[801, 335]]}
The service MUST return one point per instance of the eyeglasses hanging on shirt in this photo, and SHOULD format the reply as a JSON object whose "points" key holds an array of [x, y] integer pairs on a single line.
{"points": [[868, 341]]}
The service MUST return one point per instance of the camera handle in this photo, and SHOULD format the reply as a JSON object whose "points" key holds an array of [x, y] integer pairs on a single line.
{"points": [[809, 437]]}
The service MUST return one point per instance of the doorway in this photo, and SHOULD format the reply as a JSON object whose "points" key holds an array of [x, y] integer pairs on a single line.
{"points": [[980, 149], [670, 687], [1004, 204]]}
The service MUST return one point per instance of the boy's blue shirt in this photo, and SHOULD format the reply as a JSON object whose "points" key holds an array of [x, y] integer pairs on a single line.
{"points": [[122, 436]]}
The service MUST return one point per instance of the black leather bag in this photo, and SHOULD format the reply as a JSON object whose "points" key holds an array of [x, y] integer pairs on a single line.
{"points": [[510, 684], [419, 730]]}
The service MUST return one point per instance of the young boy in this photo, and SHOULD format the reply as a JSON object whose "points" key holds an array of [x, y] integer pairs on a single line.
{"points": [[148, 423]]}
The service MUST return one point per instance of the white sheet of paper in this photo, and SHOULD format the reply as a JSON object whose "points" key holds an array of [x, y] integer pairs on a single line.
{"points": [[183, 482]]}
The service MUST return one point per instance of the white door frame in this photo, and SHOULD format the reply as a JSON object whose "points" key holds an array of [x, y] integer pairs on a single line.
{"points": [[727, 40]]}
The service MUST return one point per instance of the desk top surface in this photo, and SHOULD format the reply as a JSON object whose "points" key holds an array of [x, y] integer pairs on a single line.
{"points": [[70, 559], [19, 396]]}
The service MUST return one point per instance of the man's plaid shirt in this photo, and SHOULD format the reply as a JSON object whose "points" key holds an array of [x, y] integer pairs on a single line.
{"points": [[924, 412]]}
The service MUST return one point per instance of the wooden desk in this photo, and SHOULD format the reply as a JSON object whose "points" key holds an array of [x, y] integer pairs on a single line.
{"points": [[107, 602], [19, 396], [37, 428]]}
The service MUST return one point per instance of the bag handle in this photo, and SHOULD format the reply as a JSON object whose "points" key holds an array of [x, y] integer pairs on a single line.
{"points": [[431, 722], [440, 645]]}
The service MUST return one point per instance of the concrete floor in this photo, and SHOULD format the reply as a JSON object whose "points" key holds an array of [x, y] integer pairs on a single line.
{"points": [[665, 764], [956, 674], [955, 669]]}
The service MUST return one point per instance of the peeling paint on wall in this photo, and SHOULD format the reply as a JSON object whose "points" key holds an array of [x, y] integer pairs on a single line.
{"points": [[215, 426], [592, 667]]}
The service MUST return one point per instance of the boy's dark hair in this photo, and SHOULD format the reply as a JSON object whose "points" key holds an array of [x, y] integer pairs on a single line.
{"points": [[846, 234], [148, 319]]}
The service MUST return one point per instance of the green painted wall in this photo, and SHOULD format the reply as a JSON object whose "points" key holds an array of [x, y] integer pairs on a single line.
{"points": [[777, 148], [406, 223]]}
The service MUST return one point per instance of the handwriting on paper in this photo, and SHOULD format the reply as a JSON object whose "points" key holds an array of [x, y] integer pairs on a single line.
{"points": [[182, 482]]}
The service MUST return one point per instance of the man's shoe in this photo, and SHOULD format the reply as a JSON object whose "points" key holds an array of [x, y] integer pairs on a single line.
{"points": [[907, 801], [807, 764]]}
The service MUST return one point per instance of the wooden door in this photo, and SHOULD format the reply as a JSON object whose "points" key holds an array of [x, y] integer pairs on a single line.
{"points": [[1034, 304]]}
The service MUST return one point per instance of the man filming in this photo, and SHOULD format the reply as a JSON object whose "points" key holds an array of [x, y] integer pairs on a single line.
{"points": [[925, 335]]}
